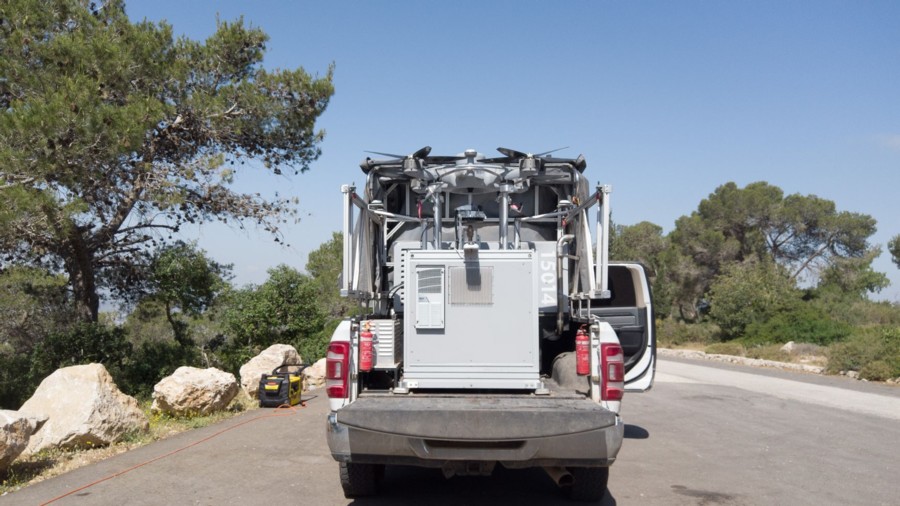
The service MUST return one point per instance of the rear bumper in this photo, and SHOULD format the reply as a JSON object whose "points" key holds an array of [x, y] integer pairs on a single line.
{"points": [[515, 431]]}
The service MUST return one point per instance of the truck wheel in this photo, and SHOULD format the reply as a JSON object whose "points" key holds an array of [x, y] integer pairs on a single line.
{"points": [[359, 480], [590, 483]]}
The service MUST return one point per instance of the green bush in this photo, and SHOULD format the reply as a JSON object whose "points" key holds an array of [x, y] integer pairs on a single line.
{"points": [[84, 343], [730, 348], [313, 347], [16, 385], [136, 369], [283, 310], [805, 323], [233, 355], [746, 293], [864, 347], [768, 352], [867, 312], [878, 370], [670, 332], [808, 349], [153, 361]]}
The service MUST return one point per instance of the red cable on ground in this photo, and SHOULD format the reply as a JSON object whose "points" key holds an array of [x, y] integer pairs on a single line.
{"points": [[282, 408]]}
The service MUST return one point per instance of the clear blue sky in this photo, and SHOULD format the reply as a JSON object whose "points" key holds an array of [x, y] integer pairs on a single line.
{"points": [[666, 100]]}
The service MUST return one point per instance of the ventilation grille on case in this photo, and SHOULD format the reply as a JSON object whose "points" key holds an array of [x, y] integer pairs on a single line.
{"points": [[429, 297], [471, 285]]}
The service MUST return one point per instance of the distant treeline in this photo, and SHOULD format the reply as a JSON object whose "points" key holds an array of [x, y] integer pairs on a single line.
{"points": [[756, 267]]}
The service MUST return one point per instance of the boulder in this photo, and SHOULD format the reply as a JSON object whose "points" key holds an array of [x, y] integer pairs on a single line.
{"points": [[274, 356], [788, 347], [314, 376], [83, 407], [16, 429], [190, 390]]}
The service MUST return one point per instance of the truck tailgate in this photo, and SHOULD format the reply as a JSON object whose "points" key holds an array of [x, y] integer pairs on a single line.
{"points": [[475, 418]]}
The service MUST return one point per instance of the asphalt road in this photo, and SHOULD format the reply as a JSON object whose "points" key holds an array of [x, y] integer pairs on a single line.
{"points": [[707, 434]]}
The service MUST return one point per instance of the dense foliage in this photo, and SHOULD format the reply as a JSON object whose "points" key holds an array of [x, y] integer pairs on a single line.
{"points": [[804, 323], [751, 269], [324, 266], [747, 293], [874, 352], [284, 310], [114, 134], [214, 325], [185, 282], [804, 234], [894, 248]]}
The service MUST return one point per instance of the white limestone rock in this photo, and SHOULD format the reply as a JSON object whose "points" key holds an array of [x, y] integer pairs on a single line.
{"points": [[190, 390], [16, 429], [274, 356], [83, 407], [314, 376]]}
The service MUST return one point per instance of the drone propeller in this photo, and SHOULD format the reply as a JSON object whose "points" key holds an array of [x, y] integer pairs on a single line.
{"points": [[421, 153], [535, 161], [579, 163], [545, 153], [390, 155], [512, 153], [510, 156], [411, 162]]}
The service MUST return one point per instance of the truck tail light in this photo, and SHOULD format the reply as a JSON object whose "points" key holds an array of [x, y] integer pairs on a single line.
{"points": [[612, 363], [337, 370]]}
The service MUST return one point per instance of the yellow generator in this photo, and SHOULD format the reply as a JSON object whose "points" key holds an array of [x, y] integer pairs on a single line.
{"points": [[282, 387]]}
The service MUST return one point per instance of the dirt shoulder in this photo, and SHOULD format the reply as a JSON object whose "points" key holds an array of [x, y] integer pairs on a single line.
{"points": [[731, 359], [49, 463]]}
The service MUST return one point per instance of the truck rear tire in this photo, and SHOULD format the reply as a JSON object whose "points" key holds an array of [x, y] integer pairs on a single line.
{"points": [[360, 480], [590, 483]]}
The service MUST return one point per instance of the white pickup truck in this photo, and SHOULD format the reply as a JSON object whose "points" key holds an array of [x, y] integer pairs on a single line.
{"points": [[493, 330]]}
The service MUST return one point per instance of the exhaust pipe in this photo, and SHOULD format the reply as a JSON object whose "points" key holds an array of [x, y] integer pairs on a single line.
{"points": [[560, 476]]}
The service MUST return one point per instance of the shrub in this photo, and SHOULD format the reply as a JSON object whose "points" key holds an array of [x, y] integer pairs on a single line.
{"points": [[865, 346], [670, 332], [730, 348], [16, 385], [84, 343], [282, 310], [769, 352], [313, 347], [153, 361], [746, 293], [233, 355], [806, 349], [878, 370], [882, 313], [860, 312], [806, 323]]}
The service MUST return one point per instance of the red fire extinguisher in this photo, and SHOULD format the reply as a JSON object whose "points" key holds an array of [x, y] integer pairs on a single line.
{"points": [[582, 352], [365, 349]]}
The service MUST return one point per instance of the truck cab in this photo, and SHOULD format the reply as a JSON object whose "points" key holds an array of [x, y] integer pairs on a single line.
{"points": [[493, 329]]}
